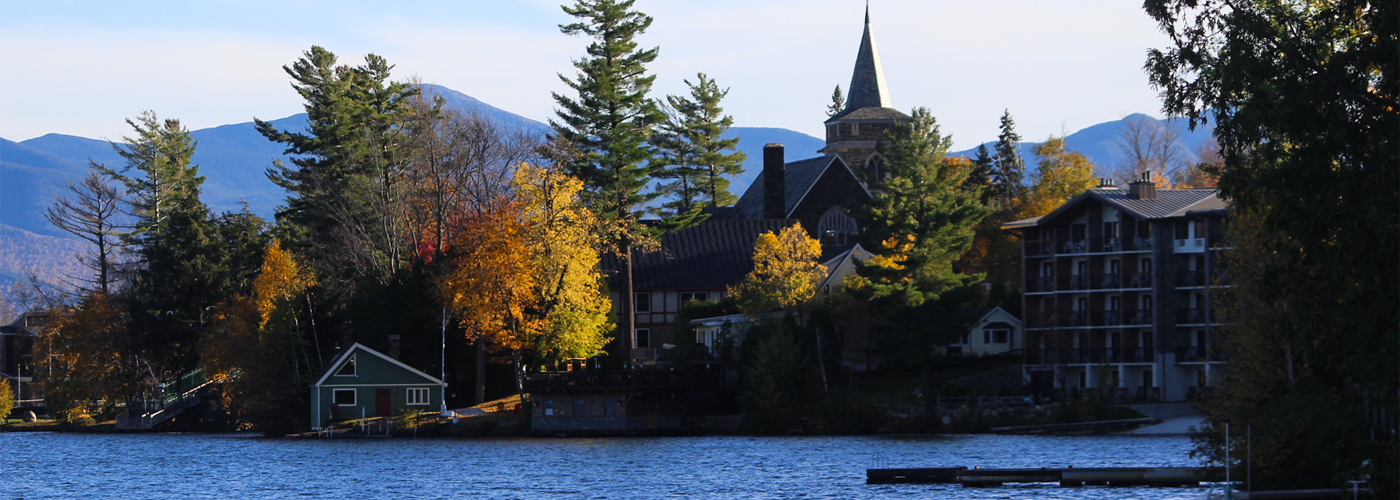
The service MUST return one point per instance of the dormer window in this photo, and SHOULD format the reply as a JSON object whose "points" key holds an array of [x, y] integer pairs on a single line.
{"points": [[347, 369]]}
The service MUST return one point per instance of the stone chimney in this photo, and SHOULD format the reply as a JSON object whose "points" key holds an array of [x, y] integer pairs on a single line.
{"points": [[394, 346], [1143, 188], [774, 182]]}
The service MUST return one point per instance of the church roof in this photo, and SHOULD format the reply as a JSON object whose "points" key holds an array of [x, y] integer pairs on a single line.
{"points": [[800, 176], [714, 254], [867, 88], [879, 114]]}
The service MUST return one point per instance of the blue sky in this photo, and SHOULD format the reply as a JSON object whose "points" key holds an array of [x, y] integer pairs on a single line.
{"points": [[81, 67]]}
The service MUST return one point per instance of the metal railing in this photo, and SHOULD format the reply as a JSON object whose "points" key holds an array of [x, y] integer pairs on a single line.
{"points": [[1034, 285], [1138, 280], [610, 380], [1193, 316], [1191, 278], [1199, 354], [1085, 356]]}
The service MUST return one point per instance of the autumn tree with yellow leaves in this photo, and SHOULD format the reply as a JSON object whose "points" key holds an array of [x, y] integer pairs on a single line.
{"points": [[1063, 174], [785, 271], [259, 348], [526, 278]]}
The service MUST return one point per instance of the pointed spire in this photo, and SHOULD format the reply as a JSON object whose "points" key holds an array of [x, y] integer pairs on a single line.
{"points": [[867, 88]]}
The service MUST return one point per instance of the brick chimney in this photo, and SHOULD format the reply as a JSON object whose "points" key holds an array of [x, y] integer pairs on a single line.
{"points": [[1143, 188], [394, 346], [774, 182]]}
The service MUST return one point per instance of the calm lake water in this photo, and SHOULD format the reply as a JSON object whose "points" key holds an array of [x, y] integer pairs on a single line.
{"points": [[49, 465]]}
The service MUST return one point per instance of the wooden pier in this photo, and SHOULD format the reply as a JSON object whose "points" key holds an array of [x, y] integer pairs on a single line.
{"points": [[1070, 476]]}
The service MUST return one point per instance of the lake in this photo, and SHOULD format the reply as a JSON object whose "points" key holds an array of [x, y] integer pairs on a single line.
{"points": [[185, 466]]}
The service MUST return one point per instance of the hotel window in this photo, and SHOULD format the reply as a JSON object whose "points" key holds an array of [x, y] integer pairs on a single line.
{"points": [[643, 337], [344, 397], [417, 396], [347, 369], [1110, 230], [1047, 269], [643, 302]]}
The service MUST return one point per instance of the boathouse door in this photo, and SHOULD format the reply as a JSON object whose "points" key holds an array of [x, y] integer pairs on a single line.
{"points": [[382, 397]]}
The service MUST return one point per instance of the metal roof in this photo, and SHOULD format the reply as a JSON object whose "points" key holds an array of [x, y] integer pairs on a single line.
{"points": [[714, 254], [1166, 204]]}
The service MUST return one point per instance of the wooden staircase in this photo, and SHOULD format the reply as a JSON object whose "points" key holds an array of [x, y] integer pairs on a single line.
{"points": [[173, 398]]}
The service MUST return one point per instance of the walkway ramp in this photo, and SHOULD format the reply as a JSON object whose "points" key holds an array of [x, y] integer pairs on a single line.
{"points": [[173, 398]]}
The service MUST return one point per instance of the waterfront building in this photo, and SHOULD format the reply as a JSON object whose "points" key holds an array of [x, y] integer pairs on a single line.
{"points": [[1118, 292], [361, 382]]}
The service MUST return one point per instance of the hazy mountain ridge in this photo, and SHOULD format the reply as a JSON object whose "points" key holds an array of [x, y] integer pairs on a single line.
{"points": [[234, 159]]}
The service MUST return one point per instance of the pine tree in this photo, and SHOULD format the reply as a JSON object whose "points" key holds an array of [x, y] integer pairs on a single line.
{"points": [[693, 152], [1010, 167], [606, 129], [838, 102], [921, 220], [348, 174], [92, 215]]}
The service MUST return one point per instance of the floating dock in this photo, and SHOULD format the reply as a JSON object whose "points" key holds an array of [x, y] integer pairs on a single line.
{"points": [[1069, 476]]}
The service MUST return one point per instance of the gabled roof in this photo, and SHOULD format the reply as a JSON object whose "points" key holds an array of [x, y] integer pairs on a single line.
{"points": [[799, 176], [974, 316], [714, 254], [1167, 203], [344, 355]]}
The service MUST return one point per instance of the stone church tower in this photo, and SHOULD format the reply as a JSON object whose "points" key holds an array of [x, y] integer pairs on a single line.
{"points": [[852, 133]]}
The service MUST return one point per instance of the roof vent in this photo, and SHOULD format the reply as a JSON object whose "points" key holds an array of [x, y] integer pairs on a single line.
{"points": [[1107, 182], [1143, 188]]}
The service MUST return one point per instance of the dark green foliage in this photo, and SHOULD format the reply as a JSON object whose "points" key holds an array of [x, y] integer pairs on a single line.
{"points": [[770, 375], [602, 135], [187, 260], [838, 102], [1010, 166], [607, 127], [693, 155], [1303, 97], [683, 333], [347, 173]]}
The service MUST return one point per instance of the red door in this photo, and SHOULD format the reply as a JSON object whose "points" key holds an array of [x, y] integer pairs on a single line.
{"points": [[381, 402]]}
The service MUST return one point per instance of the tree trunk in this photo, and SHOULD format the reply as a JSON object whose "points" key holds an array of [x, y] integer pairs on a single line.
{"points": [[628, 303], [480, 370]]}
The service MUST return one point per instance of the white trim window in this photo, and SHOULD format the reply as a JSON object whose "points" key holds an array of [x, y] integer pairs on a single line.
{"points": [[417, 395], [643, 338], [343, 397]]}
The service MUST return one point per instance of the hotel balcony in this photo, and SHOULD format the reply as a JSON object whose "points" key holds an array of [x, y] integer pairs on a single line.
{"points": [[1199, 354], [1090, 356], [1193, 317], [1191, 279], [1137, 280], [1038, 285]]}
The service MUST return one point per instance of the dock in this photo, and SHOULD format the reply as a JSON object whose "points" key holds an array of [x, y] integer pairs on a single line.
{"points": [[1069, 476]]}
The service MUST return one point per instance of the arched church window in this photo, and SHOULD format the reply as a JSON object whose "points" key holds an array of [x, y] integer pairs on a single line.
{"points": [[875, 167], [837, 228]]}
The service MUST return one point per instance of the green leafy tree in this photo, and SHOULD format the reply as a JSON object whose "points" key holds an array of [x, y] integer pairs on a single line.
{"points": [[1303, 98], [693, 153], [921, 220], [606, 129]]}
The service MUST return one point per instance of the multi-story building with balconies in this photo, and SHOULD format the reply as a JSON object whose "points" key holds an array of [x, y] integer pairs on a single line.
{"points": [[1117, 292]]}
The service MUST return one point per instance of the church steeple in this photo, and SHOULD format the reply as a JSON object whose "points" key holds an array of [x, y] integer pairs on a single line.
{"points": [[867, 88]]}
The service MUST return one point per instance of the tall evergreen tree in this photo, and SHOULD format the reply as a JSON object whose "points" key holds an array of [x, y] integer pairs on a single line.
{"points": [[693, 152], [348, 173], [1010, 166], [921, 220], [606, 128]]}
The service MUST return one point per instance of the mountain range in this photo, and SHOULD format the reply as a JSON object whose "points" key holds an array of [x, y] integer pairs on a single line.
{"points": [[234, 159]]}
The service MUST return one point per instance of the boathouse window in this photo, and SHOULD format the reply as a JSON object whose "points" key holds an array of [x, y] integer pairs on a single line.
{"points": [[609, 407], [417, 396], [344, 397], [643, 302], [643, 337], [347, 369], [549, 407], [578, 407]]}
